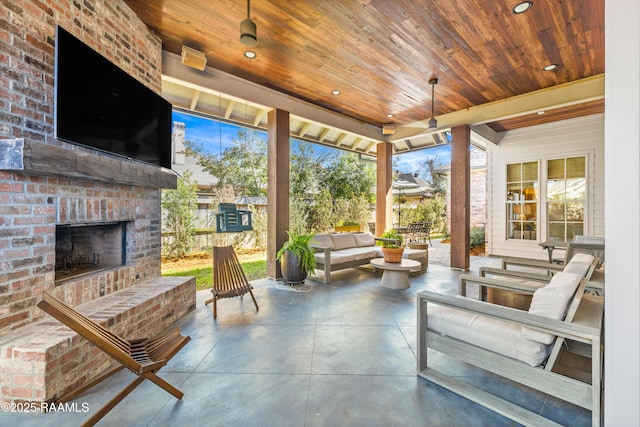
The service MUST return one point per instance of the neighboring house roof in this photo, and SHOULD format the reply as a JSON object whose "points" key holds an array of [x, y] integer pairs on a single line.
{"points": [[251, 200]]}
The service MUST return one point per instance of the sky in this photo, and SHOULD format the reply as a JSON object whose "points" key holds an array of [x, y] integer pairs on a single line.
{"points": [[215, 136]]}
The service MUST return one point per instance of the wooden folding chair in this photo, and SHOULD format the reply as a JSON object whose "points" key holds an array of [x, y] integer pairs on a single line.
{"points": [[144, 357], [229, 279]]}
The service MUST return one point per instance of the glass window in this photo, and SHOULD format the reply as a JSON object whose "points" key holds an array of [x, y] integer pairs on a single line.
{"points": [[522, 200], [566, 197]]}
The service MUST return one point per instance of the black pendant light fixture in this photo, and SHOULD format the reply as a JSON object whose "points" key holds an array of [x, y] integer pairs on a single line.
{"points": [[433, 123], [248, 33]]}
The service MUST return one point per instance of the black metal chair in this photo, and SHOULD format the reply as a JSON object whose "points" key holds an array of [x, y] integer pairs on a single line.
{"points": [[419, 232]]}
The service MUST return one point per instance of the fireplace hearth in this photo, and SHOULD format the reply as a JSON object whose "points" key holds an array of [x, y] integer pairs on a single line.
{"points": [[87, 248]]}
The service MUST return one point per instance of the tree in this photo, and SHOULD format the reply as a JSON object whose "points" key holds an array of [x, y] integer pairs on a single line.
{"points": [[328, 186], [319, 213], [306, 166], [349, 178], [437, 181], [243, 166], [179, 208]]}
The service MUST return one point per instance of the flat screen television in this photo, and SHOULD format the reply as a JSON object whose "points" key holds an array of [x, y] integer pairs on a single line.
{"points": [[98, 105]]}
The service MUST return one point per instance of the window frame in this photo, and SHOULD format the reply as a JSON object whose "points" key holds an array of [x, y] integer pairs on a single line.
{"points": [[584, 201], [521, 211]]}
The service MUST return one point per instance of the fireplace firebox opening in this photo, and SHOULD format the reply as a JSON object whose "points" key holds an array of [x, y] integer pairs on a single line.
{"points": [[87, 248]]}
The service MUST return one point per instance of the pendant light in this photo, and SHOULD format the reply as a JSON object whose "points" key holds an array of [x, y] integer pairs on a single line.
{"points": [[433, 123], [248, 32]]}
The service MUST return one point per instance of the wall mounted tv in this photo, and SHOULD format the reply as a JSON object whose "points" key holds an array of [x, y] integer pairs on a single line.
{"points": [[100, 106]]}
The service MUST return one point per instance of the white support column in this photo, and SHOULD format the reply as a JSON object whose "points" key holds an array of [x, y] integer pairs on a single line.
{"points": [[622, 213]]}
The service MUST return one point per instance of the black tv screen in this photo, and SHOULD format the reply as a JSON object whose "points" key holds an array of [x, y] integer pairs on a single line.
{"points": [[100, 106]]}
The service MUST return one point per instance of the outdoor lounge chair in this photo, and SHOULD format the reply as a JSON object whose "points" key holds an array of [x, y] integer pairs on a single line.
{"points": [[144, 357], [535, 269], [508, 287], [589, 247], [522, 346], [229, 279]]}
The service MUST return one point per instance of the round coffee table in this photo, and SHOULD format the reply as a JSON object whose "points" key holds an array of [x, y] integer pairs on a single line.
{"points": [[395, 275]]}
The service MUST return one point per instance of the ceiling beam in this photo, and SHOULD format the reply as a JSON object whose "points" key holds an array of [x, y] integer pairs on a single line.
{"points": [[304, 129], [488, 134], [194, 99], [323, 134], [221, 82], [258, 118], [572, 93], [370, 146], [229, 109]]}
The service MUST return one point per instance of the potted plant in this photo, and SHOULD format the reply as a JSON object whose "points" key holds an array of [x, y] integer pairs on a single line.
{"points": [[296, 257], [391, 243]]}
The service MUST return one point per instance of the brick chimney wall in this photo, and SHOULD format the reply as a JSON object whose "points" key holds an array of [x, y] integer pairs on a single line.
{"points": [[31, 204]]}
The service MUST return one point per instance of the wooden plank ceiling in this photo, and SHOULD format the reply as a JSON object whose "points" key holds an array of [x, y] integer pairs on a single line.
{"points": [[381, 54]]}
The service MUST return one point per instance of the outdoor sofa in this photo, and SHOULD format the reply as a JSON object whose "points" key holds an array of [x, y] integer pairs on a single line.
{"points": [[337, 251]]}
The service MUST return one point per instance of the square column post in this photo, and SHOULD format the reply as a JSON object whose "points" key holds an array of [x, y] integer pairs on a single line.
{"points": [[384, 182], [277, 187], [460, 196]]}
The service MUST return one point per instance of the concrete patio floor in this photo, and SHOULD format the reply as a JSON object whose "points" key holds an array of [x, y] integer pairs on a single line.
{"points": [[341, 354]]}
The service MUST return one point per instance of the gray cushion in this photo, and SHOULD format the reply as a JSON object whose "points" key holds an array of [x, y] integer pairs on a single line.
{"points": [[364, 239], [322, 240], [343, 241]]}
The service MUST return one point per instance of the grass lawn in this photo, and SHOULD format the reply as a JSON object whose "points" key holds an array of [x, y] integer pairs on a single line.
{"points": [[252, 269]]}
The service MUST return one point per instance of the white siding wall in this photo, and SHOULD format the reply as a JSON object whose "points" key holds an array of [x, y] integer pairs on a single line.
{"points": [[568, 138]]}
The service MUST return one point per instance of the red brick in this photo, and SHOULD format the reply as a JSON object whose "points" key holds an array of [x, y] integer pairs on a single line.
{"points": [[28, 220], [10, 187], [21, 392], [13, 254], [29, 356], [49, 229], [28, 380]]}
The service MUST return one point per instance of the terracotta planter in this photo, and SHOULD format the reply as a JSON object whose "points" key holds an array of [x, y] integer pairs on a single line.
{"points": [[392, 254], [291, 271]]}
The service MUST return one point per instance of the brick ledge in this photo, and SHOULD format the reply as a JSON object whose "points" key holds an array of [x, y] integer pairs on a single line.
{"points": [[45, 359]]}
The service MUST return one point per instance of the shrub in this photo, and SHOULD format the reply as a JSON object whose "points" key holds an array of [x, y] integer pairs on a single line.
{"points": [[477, 236], [179, 211]]}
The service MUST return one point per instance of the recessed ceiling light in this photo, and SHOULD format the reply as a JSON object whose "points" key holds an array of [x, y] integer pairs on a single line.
{"points": [[335, 92], [250, 54], [522, 7], [389, 115], [540, 113], [550, 67]]}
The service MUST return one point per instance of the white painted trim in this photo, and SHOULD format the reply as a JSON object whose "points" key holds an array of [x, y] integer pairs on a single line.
{"points": [[622, 213]]}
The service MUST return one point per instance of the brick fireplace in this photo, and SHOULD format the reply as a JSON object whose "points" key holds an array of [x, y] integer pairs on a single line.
{"points": [[52, 192]]}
